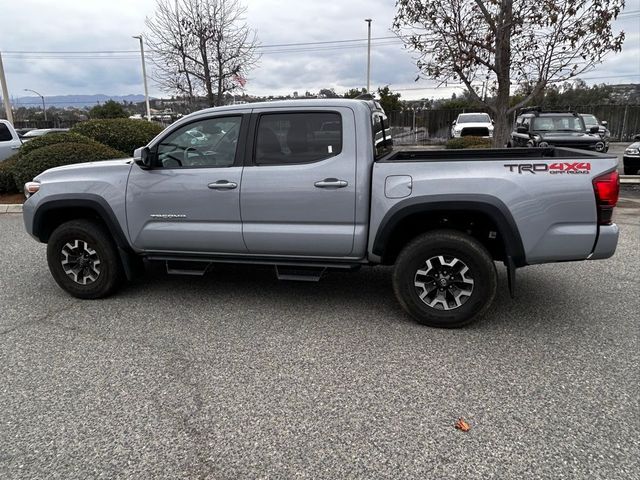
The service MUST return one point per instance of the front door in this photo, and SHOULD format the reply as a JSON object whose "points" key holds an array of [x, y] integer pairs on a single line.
{"points": [[190, 200], [299, 190]]}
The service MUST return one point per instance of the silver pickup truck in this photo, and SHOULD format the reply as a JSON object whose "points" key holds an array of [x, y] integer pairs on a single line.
{"points": [[313, 185]]}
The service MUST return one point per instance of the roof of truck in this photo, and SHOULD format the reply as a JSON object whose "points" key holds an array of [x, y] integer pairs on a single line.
{"points": [[302, 102]]}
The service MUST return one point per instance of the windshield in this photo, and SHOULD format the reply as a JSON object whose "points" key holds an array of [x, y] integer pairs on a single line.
{"points": [[474, 118], [590, 120], [562, 123]]}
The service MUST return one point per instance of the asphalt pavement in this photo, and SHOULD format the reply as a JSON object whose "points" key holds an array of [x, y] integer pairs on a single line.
{"points": [[236, 375]]}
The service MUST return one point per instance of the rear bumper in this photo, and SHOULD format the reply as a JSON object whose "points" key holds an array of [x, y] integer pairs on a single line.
{"points": [[606, 244]]}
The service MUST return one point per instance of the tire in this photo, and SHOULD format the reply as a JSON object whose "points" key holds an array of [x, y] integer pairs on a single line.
{"points": [[83, 259], [416, 270], [630, 170]]}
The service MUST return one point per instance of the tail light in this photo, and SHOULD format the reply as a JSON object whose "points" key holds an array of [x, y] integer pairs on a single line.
{"points": [[606, 188]]}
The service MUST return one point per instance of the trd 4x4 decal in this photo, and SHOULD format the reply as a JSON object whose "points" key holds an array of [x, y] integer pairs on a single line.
{"points": [[554, 168]]}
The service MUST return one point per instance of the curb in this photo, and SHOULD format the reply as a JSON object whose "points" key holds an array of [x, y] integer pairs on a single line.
{"points": [[10, 208], [630, 179]]}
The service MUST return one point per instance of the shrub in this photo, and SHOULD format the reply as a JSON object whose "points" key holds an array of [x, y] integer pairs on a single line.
{"points": [[53, 138], [120, 133], [469, 142], [29, 166], [7, 183]]}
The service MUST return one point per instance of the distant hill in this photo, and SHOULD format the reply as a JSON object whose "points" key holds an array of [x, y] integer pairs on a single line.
{"points": [[80, 101]]}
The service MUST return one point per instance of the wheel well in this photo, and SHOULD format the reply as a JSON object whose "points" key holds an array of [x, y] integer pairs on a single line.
{"points": [[57, 216], [479, 225]]}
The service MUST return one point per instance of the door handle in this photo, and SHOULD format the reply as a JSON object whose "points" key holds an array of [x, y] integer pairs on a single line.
{"points": [[331, 183], [16, 147], [223, 185]]}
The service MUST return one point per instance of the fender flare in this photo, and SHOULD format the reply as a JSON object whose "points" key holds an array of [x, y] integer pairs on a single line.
{"points": [[88, 201], [488, 205]]}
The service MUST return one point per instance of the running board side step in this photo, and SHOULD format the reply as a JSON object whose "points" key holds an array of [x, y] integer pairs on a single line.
{"points": [[197, 269], [299, 273]]}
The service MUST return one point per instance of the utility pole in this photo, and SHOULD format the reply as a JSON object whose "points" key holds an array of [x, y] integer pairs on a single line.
{"points": [[5, 93], [144, 76], [368, 20]]}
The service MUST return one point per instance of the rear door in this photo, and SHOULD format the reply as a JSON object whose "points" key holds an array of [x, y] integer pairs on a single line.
{"points": [[190, 200], [298, 188]]}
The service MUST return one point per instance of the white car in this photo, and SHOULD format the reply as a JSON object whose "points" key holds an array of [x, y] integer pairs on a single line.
{"points": [[9, 141], [472, 124]]}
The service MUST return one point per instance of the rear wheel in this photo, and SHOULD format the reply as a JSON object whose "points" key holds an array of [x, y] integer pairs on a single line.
{"points": [[83, 259], [445, 279]]}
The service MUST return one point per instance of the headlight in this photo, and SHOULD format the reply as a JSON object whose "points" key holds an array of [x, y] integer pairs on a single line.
{"points": [[599, 147], [632, 151]]}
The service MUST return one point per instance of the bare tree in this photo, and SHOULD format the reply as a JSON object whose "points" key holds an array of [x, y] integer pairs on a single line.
{"points": [[504, 43], [201, 47]]}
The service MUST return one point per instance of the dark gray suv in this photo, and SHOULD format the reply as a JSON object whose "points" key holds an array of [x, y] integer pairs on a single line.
{"points": [[537, 128]]}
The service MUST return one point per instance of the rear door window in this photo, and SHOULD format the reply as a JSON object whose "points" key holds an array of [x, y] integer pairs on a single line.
{"points": [[293, 138]]}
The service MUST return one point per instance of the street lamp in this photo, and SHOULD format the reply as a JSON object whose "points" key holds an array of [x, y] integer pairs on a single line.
{"points": [[368, 20], [44, 108], [144, 76]]}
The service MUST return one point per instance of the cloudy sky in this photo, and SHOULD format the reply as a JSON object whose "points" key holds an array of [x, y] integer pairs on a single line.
{"points": [[101, 25]]}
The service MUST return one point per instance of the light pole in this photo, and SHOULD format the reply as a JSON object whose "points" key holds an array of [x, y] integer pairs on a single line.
{"points": [[44, 108], [368, 20], [5, 93], [144, 76]]}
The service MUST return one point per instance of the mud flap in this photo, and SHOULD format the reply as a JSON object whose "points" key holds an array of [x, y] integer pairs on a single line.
{"points": [[511, 276]]}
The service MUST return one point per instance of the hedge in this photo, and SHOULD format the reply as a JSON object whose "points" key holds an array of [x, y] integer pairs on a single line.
{"points": [[53, 138], [469, 142], [29, 166], [120, 133], [7, 183]]}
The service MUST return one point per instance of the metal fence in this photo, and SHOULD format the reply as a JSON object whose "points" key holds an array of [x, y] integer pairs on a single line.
{"points": [[433, 126]]}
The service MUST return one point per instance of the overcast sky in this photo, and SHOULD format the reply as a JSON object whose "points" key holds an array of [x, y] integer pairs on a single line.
{"points": [[91, 25]]}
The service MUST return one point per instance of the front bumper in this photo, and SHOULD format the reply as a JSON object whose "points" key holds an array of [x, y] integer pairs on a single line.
{"points": [[606, 243], [631, 161]]}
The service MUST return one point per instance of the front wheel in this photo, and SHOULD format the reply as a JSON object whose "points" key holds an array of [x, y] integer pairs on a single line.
{"points": [[630, 170], [445, 279], [83, 259]]}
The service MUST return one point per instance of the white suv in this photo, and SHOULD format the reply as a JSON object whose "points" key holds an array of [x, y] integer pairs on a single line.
{"points": [[472, 124]]}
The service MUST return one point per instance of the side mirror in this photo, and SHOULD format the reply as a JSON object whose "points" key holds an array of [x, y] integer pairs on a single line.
{"points": [[594, 129], [142, 157], [604, 123], [522, 129], [454, 122]]}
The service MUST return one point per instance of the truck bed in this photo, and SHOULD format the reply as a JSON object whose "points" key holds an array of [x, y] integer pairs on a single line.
{"points": [[520, 154]]}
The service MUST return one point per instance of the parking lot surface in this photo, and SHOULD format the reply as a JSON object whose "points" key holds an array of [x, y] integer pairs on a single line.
{"points": [[236, 375]]}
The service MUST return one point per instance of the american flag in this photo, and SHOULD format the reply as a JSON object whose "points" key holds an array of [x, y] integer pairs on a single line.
{"points": [[240, 80]]}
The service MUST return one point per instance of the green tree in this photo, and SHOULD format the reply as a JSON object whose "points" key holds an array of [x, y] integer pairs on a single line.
{"points": [[503, 42], [390, 101], [354, 92], [110, 109]]}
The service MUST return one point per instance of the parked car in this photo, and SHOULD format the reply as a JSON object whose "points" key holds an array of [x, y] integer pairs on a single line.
{"points": [[472, 124], [9, 140], [631, 159], [23, 131], [276, 190], [38, 132], [591, 121], [538, 128]]}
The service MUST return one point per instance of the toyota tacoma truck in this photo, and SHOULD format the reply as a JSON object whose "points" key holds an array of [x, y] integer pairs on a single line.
{"points": [[314, 185]]}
